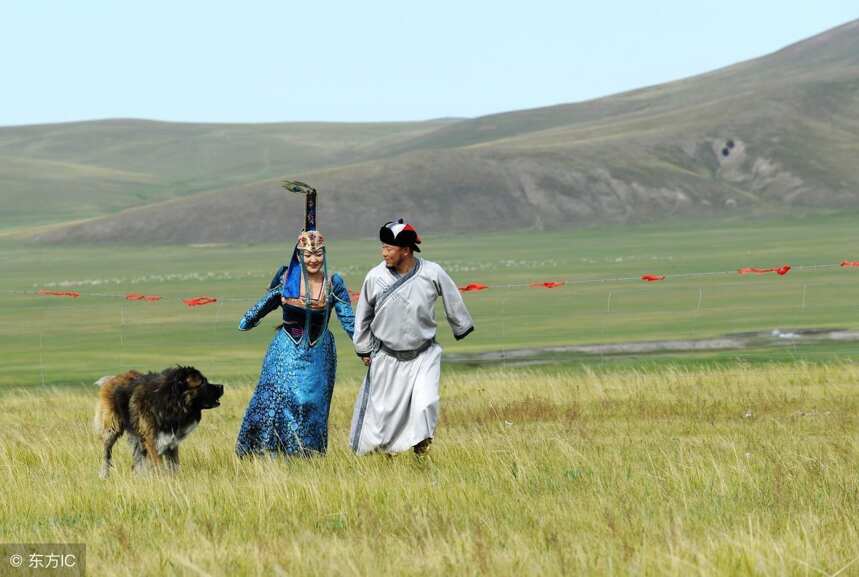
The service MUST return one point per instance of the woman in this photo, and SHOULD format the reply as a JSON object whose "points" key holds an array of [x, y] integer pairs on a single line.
{"points": [[288, 412]]}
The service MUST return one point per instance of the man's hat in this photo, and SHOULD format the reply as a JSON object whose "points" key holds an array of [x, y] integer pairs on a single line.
{"points": [[398, 233]]}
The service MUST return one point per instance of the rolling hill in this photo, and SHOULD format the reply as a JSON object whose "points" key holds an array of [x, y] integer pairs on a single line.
{"points": [[776, 133], [54, 173]]}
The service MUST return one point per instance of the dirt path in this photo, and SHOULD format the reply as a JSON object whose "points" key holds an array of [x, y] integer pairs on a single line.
{"points": [[736, 341]]}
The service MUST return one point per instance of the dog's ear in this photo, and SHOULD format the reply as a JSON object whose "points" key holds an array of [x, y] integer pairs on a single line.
{"points": [[193, 378], [192, 381]]}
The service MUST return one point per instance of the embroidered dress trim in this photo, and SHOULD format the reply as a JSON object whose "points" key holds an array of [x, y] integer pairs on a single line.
{"points": [[365, 398]]}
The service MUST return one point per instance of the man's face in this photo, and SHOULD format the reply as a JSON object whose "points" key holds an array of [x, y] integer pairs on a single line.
{"points": [[393, 255]]}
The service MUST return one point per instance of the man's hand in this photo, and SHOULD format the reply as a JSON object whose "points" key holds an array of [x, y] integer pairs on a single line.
{"points": [[366, 361]]}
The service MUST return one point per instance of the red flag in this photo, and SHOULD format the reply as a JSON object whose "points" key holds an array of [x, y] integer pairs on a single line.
{"points": [[473, 287], [550, 284], [140, 297], [73, 294], [199, 301], [781, 271], [846, 263], [652, 277]]}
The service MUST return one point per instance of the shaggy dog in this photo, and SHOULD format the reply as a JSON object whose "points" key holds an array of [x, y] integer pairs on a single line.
{"points": [[157, 410]]}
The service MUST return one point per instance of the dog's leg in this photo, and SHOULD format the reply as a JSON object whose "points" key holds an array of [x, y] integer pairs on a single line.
{"points": [[171, 456], [110, 438], [138, 453], [152, 450], [109, 426], [147, 433]]}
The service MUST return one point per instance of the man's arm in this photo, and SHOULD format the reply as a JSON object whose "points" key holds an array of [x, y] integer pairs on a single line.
{"points": [[364, 314], [457, 315]]}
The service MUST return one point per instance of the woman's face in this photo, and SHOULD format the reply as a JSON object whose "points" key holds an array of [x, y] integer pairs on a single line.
{"points": [[313, 260]]}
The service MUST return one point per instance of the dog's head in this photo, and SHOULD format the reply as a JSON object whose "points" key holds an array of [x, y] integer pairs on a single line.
{"points": [[196, 390]]}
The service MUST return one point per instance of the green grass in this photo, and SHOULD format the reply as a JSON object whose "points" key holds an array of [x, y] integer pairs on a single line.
{"points": [[709, 463], [65, 341]]}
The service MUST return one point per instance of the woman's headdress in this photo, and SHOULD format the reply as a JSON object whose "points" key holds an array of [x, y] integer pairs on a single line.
{"points": [[309, 239]]}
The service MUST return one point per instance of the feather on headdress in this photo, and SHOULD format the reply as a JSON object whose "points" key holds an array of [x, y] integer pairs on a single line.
{"points": [[309, 239]]}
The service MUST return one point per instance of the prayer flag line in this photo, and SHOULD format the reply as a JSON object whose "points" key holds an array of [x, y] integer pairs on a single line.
{"points": [[471, 287]]}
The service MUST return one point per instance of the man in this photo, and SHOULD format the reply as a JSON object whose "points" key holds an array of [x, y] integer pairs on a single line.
{"points": [[395, 329]]}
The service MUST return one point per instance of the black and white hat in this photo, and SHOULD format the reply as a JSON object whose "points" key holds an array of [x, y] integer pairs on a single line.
{"points": [[400, 233]]}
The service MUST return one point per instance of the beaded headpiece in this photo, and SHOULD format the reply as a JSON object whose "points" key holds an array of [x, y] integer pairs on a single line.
{"points": [[310, 240]]}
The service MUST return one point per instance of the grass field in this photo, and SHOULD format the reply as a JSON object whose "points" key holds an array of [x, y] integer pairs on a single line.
{"points": [[71, 341], [733, 471], [724, 463]]}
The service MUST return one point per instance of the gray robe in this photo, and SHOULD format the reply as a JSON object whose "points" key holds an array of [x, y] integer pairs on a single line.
{"points": [[397, 406]]}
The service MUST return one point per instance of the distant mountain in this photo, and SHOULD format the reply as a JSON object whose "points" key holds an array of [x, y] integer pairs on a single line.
{"points": [[58, 172], [769, 134]]}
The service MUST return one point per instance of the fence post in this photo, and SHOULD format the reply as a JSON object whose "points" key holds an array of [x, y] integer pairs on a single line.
{"points": [[608, 305], [218, 315], [121, 336], [700, 298], [41, 358], [503, 332]]}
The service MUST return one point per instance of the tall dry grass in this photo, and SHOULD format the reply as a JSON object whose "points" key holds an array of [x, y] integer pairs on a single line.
{"points": [[740, 471]]}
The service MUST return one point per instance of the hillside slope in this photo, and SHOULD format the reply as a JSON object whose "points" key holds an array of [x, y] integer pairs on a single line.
{"points": [[774, 133], [52, 173]]}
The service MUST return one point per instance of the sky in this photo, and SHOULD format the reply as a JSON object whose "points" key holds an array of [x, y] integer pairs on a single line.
{"points": [[277, 61]]}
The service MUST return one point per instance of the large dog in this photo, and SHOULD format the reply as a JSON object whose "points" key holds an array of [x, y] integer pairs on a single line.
{"points": [[157, 410]]}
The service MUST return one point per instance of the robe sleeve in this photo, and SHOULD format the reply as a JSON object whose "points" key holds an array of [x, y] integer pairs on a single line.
{"points": [[277, 279], [457, 315], [269, 302], [343, 304], [364, 314]]}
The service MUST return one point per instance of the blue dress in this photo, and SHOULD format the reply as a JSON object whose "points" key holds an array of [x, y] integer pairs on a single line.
{"points": [[288, 412]]}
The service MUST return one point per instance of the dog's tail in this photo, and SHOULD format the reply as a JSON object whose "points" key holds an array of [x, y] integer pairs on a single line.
{"points": [[98, 418]]}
